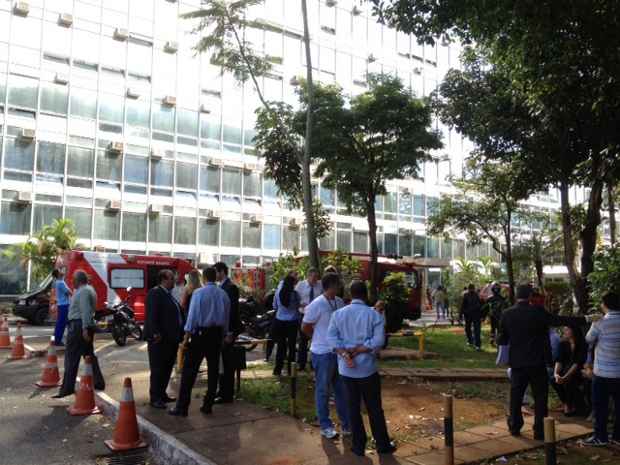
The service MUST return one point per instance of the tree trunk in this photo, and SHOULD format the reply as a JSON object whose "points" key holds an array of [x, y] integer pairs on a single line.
{"points": [[509, 262], [588, 237], [306, 181], [611, 205], [569, 249], [538, 265], [374, 250]]}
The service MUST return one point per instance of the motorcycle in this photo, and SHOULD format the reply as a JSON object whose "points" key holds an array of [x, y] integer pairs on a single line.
{"points": [[123, 322], [256, 321]]}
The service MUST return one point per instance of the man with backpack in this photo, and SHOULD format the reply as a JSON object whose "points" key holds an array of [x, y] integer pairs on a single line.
{"points": [[471, 309]]}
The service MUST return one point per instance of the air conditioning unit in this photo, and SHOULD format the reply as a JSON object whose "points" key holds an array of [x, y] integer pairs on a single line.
{"points": [[406, 190], [113, 205], [21, 8], [356, 11], [212, 215], [294, 81], [331, 3], [121, 34], [204, 108], [132, 93], [61, 79], [169, 100], [256, 220], [445, 41], [250, 167], [156, 154], [171, 46], [215, 162], [65, 19], [417, 70], [24, 197], [371, 58], [156, 209], [293, 225], [26, 134], [405, 231], [115, 147]]}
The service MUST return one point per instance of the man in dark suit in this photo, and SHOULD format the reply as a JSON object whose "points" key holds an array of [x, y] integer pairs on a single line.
{"points": [[226, 389], [471, 309], [525, 329], [163, 330]]}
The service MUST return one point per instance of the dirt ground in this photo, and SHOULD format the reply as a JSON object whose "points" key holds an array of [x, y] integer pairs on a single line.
{"points": [[571, 453]]}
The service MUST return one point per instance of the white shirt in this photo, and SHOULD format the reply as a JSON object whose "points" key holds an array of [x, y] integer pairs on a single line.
{"points": [[319, 313], [303, 289]]}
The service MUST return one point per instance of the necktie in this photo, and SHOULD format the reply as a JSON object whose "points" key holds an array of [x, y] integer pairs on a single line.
{"points": [[311, 293]]}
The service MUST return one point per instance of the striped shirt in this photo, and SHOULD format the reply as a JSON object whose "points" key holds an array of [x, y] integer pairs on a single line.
{"points": [[605, 334]]}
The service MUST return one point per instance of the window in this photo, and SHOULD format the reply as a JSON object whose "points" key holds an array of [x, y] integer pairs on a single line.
{"points": [[404, 245], [15, 218], [405, 205], [446, 249], [232, 134], [23, 91], [419, 205], [51, 158], [208, 232], [83, 103], [184, 230], [270, 190], [54, 98], [138, 113], [251, 235], [433, 247], [122, 278], [136, 169], [328, 197], [419, 246], [210, 128], [210, 178], [360, 242], [111, 108], [163, 118], [108, 225], [188, 123], [81, 217], [251, 184], [19, 155], [187, 175], [344, 240], [109, 166], [272, 234], [162, 173], [160, 229], [134, 227], [390, 244], [291, 239], [231, 182], [432, 205], [81, 162], [328, 242], [231, 234], [45, 215]]}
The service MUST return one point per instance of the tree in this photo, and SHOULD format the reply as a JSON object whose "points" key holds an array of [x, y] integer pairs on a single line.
{"points": [[44, 247], [606, 275], [383, 135], [224, 24]]}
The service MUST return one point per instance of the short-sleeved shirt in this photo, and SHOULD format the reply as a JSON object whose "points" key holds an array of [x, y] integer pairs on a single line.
{"points": [[62, 292], [605, 335], [307, 293], [319, 313]]}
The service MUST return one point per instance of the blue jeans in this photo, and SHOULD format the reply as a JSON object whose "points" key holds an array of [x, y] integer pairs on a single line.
{"points": [[602, 390], [61, 322], [327, 378]]}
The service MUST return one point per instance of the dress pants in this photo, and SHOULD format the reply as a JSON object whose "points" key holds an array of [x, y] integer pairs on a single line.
{"points": [[227, 379], [61, 323], [520, 378], [302, 349], [286, 338], [472, 330], [75, 348], [207, 343], [602, 390], [368, 389], [162, 356]]}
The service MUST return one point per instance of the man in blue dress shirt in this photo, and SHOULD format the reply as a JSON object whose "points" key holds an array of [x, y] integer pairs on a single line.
{"points": [[356, 334], [205, 330]]}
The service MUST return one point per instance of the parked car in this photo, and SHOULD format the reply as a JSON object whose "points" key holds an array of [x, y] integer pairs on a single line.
{"points": [[34, 305]]}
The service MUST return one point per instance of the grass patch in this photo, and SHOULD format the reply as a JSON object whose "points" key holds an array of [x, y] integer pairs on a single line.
{"points": [[452, 350]]}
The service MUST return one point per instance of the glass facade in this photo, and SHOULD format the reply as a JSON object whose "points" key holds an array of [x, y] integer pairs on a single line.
{"points": [[108, 117]]}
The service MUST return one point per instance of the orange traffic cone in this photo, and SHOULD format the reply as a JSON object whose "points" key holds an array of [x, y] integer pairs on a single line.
{"points": [[5, 338], [126, 433], [85, 397], [50, 377], [19, 351]]}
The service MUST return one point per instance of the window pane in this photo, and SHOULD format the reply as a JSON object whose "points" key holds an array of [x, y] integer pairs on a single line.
{"points": [[251, 184], [251, 235], [390, 247], [433, 247], [344, 241], [210, 178], [83, 103], [188, 122], [111, 108], [134, 227], [291, 239], [404, 206], [107, 225], [109, 166], [360, 242], [208, 233], [210, 129], [328, 196], [232, 134], [136, 169], [54, 98], [45, 215], [160, 229], [419, 246], [163, 118], [418, 205], [23, 91], [161, 173], [186, 175], [270, 190], [19, 155], [404, 245], [81, 162], [390, 202], [51, 158], [81, 217], [184, 230], [272, 234], [231, 234], [231, 182], [446, 249], [15, 218], [138, 113]]}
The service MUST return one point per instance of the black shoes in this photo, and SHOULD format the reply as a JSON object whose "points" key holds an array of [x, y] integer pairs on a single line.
{"points": [[222, 400], [177, 412], [206, 409], [168, 399], [388, 450], [160, 404]]}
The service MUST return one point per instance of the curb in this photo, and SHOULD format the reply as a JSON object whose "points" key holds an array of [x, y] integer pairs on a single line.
{"points": [[166, 448]]}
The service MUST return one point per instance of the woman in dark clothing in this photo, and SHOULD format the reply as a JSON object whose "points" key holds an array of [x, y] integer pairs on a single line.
{"points": [[286, 303], [568, 366]]}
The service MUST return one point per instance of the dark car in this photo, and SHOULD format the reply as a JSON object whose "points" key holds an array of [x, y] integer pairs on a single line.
{"points": [[34, 305]]}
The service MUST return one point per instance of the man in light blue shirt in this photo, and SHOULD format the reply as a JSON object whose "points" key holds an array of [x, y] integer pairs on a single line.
{"points": [[63, 295], [205, 330], [356, 334], [324, 361]]}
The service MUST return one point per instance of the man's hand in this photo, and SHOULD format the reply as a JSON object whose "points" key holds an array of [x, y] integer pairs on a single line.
{"points": [[361, 349], [157, 338], [86, 335], [229, 339]]}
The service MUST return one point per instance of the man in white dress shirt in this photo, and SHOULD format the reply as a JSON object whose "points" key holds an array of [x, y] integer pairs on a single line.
{"points": [[308, 290]]}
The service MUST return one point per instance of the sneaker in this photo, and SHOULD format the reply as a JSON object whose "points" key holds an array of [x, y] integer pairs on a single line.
{"points": [[594, 442], [329, 433]]}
